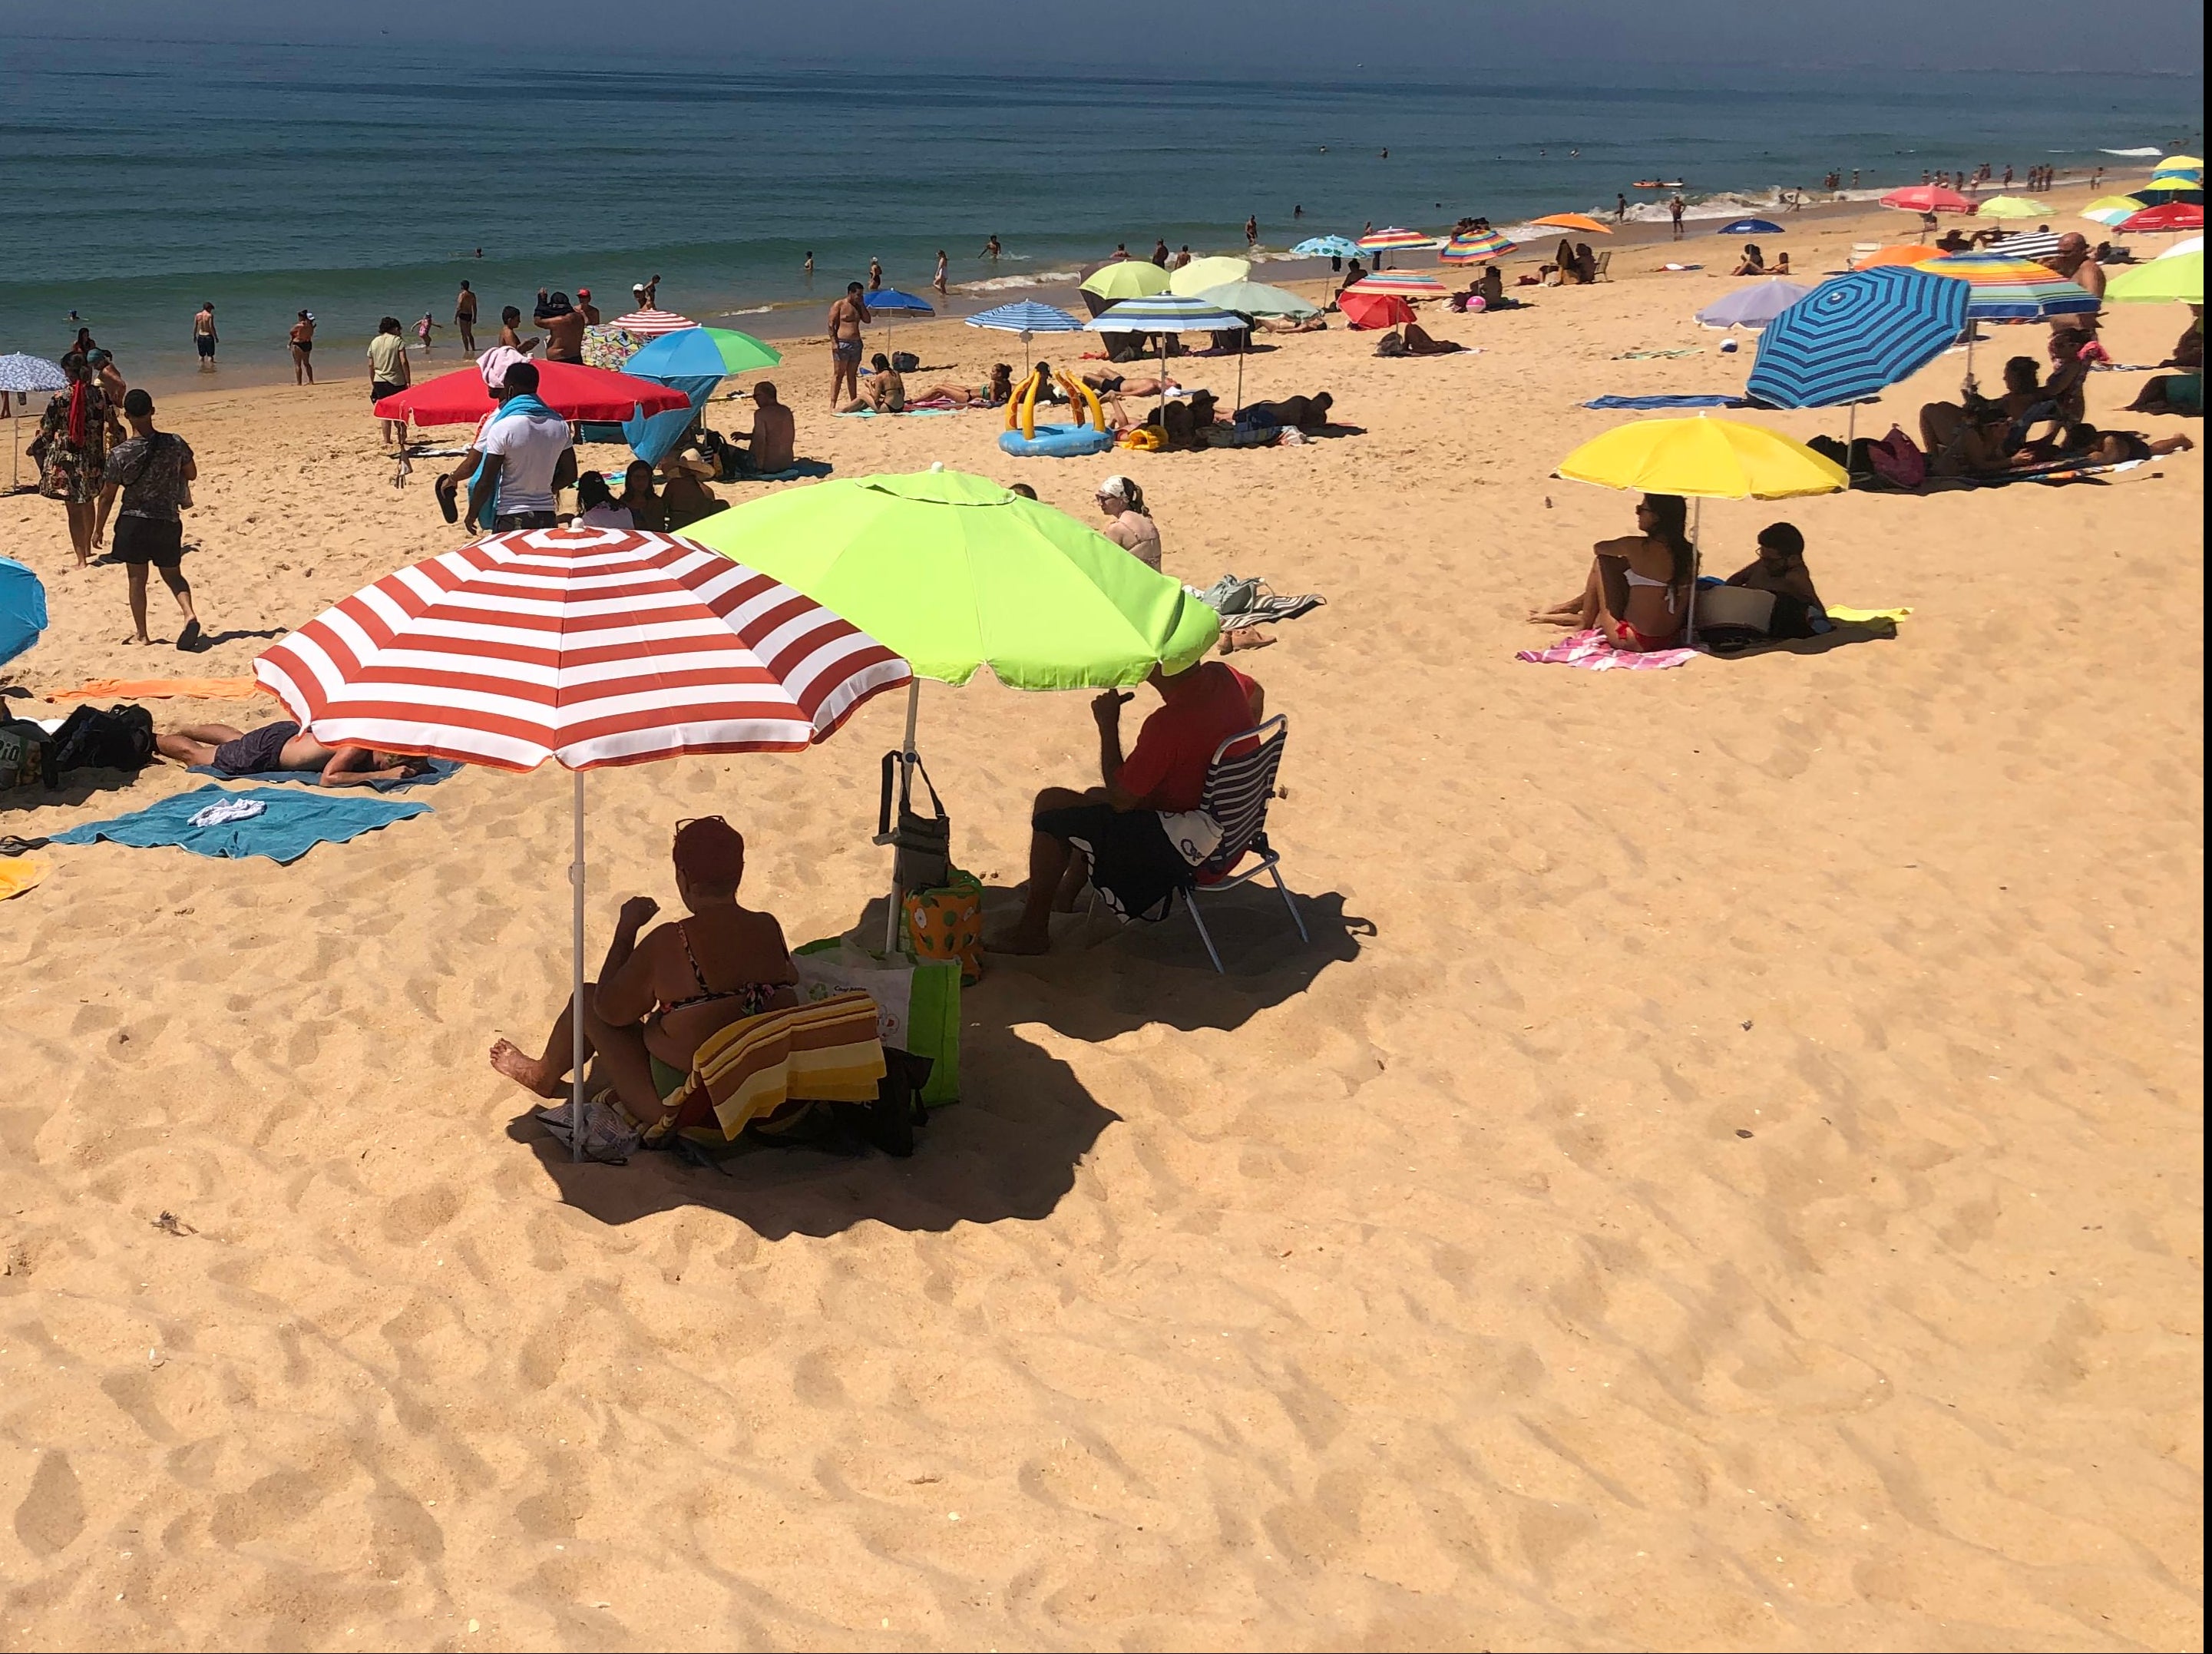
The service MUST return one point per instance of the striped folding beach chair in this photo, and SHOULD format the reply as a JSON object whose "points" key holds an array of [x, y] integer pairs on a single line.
{"points": [[1240, 779]]}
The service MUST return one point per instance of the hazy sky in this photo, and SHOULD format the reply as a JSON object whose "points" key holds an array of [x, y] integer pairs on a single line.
{"points": [[1318, 39]]}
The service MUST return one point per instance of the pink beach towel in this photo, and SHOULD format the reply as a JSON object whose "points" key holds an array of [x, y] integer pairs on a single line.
{"points": [[1590, 651]]}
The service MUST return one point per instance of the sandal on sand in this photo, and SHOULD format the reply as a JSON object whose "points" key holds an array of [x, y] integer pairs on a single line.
{"points": [[443, 488], [11, 845], [192, 640]]}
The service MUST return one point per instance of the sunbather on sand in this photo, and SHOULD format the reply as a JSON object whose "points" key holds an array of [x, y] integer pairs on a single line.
{"points": [[1780, 568], [282, 745], [657, 999], [993, 395], [1415, 340], [1634, 592], [1307, 413]]}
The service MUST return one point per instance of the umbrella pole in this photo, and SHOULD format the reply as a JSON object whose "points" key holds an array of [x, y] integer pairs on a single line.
{"points": [[909, 758], [576, 981], [1850, 435], [1697, 561], [1244, 342]]}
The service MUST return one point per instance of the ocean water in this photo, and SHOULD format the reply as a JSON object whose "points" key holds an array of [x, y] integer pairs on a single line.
{"points": [[360, 181]]}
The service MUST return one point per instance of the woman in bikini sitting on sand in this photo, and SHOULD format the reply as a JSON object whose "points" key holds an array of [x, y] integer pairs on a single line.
{"points": [[656, 1000], [1649, 578]]}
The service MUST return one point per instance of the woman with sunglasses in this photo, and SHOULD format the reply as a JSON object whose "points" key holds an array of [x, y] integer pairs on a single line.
{"points": [[657, 998]]}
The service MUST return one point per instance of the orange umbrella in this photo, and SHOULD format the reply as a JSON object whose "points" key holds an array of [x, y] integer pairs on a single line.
{"points": [[1574, 221], [1906, 254]]}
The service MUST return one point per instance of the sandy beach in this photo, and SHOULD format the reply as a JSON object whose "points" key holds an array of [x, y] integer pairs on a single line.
{"points": [[1728, 1171]]}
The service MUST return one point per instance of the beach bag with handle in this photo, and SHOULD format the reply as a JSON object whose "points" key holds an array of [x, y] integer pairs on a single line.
{"points": [[917, 1003], [1898, 460], [923, 845], [945, 926]]}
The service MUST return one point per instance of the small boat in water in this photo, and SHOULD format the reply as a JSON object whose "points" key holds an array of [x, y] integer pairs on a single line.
{"points": [[1656, 183]]}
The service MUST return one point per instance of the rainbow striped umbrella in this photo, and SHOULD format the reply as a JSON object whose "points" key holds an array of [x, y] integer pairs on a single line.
{"points": [[2005, 289], [1468, 249], [1404, 285], [1395, 240]]}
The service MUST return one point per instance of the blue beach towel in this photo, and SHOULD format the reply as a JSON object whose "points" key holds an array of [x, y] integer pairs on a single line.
{"points": [[292, 823], [799, 468], [1669, 402], [439, 770]]}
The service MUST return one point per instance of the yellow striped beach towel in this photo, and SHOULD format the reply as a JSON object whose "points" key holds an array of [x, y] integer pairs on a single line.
{"points": [[824, 1052]]}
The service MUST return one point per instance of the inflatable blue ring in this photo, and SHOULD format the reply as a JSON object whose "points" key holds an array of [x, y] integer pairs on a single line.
{"points": [[1057, 442]]}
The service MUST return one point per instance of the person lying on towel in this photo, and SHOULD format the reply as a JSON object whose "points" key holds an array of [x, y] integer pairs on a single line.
{"points": [[1123, 837], [656, 1000], [284, 745]]}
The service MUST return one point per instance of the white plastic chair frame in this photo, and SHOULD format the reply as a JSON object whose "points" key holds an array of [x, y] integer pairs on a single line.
{"points": [[1235, 795]]}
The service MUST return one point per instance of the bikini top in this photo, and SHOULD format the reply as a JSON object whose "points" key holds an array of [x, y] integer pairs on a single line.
{"points": [[1635, 578], [753, 996]]}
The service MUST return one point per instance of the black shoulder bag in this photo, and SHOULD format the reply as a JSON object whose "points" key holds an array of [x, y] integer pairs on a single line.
{"points": [[923, 844]]}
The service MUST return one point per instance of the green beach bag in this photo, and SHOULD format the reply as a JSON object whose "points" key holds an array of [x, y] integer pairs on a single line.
{"points": [[917, 1003]]}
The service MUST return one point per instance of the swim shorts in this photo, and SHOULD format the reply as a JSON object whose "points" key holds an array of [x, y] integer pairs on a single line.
{"points": [[257, 751], [380, 389], [846, 350], [206, 346], [150, 540], [1135, 865]]}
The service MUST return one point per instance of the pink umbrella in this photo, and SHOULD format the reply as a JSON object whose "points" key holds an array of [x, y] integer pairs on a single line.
{"points": [[570, 389], [1927, 197]]}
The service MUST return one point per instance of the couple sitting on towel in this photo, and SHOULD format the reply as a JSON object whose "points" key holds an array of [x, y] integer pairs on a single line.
{"points": [[659, 999], [1637, 590]]}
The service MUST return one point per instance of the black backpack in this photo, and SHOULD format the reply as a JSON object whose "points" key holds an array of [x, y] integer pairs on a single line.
{"points": [[118, 738]]}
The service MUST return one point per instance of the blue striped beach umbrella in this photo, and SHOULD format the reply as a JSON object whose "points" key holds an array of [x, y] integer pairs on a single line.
{"points": [[1028, 318], [1163, 314], [1166, 312], [1855, 334]]}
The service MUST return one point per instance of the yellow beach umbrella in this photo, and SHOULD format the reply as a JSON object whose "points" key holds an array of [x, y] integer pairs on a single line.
{"points": [[1706, 460], [2008, 206], [1200, 274], [2180, 164], [1126, 278]]}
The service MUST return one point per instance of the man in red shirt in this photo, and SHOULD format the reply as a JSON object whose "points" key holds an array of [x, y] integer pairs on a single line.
{"points": [[1117, 829]]}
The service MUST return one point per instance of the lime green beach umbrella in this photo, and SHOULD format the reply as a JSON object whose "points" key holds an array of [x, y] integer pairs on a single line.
{"points": [[1195, 278], [961, 574], [1126, 278], [2162, 281], [2008, 206]]}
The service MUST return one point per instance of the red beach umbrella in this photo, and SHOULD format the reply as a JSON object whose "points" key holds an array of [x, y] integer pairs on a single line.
{"points": [[1373, 310], [652, 323], [2174, 215], [1927, 197], [571, 390]]}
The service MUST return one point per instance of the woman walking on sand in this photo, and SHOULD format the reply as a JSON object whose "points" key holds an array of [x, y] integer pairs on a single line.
{"points": [[71, 450]]}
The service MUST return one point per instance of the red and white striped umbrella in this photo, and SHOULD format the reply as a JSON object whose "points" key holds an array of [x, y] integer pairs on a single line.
{"points": [[590, 646], [647, 324]]}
